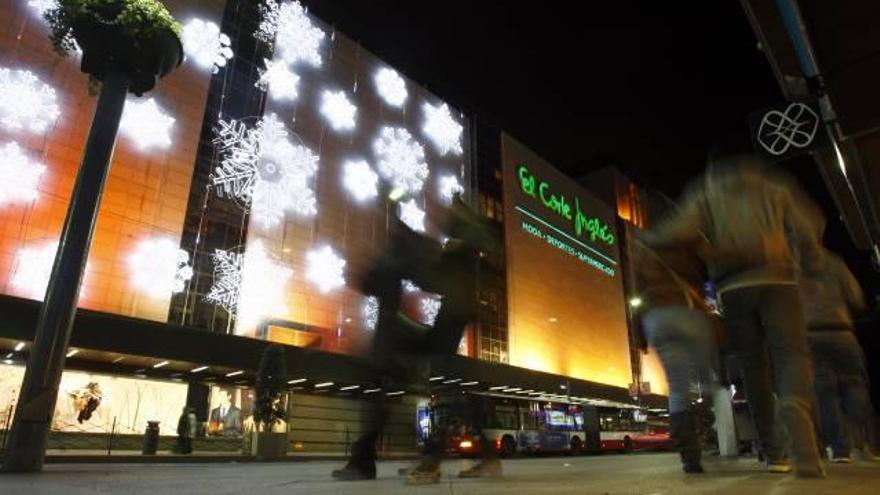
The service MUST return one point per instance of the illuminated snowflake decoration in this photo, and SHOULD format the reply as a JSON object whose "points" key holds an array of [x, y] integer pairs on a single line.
{"points": [[325, 269], [430, 308], [146, 124], [392, 87], [282, 81], [370, 312], [412, 215], [295, 37], [21, 175], [360, 180], [25, 101], [449, 187], [263, 284], [442, 129], [34, 268], [340, 112], [206, 45], [159, 268], [227, 280], [401, 159], [409, 286], [42, 6], [262, 168]]}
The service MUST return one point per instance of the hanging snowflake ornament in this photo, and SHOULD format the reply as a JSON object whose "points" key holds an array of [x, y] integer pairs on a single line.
{"points": [[449, 187], [224, 291], [21, 175], [391, 87], [401, 159], [159, 268], [412, 215], [206, 45], [263, 169], [430, 308], [263, 286], [338, 111], [409, 286], [146, 124], [442, 129], [42, 6], [325, 269], [288, 26], [370, 312], [34, 266], [280, 82], [360, 180], [25, 101]]}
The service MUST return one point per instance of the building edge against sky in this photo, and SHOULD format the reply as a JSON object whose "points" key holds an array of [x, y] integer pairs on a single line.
{"points": [[193, 269]]}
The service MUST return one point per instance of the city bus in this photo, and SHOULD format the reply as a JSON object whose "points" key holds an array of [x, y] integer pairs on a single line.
{"points": [[518, 424]]}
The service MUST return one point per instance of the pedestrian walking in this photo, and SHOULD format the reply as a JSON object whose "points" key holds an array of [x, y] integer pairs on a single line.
{"points": [[186, 430]]}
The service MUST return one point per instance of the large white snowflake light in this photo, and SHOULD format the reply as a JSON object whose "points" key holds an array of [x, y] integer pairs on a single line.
{"points": [[325, 269], [412, 215], [340, 112], [42, 6], [21, 175], [360, 180], [262, 168], [159, 268], [392, 87], [401, 159], [409, 286], [370, 312], [227, 280], [146, 124], [449, 187], [442, 129], [278, 80], [430, 308], [34, 268], [25, 101], [206, 45], [263, 283], [295, 37]]}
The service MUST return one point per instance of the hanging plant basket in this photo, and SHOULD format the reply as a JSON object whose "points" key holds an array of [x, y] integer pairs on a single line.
{"points": [[108, 47]]}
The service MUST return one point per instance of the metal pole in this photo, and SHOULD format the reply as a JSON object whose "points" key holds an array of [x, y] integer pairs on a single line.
{"points": [[39, 391], [110, 440]]}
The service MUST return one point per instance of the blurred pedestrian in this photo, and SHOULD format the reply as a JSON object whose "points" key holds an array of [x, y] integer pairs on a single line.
{"points": [[753, 222], [186, 430]]}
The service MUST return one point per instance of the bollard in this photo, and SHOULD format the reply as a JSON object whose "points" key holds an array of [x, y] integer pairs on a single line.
{"points": [[151, 438]]}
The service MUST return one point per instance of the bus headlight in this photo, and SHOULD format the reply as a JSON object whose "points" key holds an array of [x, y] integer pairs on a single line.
{"points": [[465, 444]]}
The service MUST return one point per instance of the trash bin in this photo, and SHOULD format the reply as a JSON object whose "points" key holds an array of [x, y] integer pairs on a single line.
{"points": [[151, 438]]}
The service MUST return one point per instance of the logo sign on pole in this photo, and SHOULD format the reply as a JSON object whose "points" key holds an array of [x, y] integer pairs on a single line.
{"points": [[786, 130]]}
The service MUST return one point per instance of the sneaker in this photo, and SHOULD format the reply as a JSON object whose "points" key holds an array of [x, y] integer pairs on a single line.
{"points": [[355, 473], [484, 468], [423, 477], [779, 467], [842, 459]]}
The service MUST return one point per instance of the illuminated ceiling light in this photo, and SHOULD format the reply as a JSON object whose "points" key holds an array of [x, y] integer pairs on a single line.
{"points": [[442, 129], [227, 280], [7, 361], [469, 384], [234, 373], [118, 360], [449, 187], [25, 101], [562, 386], [289, 27], [263, 169], [360, 180], [553, 319], [392, 87], [350, 387], [412, 215], [160, 364], [436, 378], [370, 312], [19, 346], [536, 393], [159, 268], [34, 268], [42, 6], [20, 175], [340, 112], [499, 387], [9, 355], [206, 45], [325, 269], [448, 382], [263, 283], [392, 394], [372, 390], [430, 308], [512, 389], [635, 302], [72, 352], [324, 385], [198, 370], [146, 124], [295, 381], [401, 159], [278, 80]]}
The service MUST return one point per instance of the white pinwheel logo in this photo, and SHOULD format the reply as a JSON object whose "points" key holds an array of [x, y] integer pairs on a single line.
{"points": [[796, 127]]}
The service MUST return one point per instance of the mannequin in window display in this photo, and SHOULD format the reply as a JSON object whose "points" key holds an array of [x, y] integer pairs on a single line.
{"points": [[86, 400], [225, 419]]}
